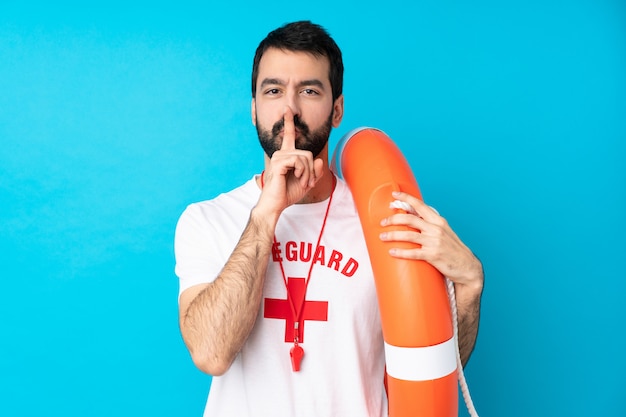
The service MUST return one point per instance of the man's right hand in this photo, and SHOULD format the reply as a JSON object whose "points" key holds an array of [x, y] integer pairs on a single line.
{"points": [[290, 174]]}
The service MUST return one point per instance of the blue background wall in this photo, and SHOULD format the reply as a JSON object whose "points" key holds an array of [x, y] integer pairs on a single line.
{"points": [[114, 117]]}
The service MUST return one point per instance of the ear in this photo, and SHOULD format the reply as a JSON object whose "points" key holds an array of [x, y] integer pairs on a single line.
{"points": [[253, 112], [338, 111]]}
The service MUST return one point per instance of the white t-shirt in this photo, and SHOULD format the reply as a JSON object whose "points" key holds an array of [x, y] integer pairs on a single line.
{"points": [[342, 370]]}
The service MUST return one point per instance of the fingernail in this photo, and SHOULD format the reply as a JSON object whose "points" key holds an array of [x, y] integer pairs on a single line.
{"points": [[383, 236], [395, 193], [383, 222]]}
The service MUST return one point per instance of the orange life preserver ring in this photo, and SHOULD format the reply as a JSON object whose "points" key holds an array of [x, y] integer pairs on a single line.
{"points": [[420, 348]]}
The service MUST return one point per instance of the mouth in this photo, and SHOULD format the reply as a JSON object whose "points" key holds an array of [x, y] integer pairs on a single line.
{"points": [[298, 134], [300, 129]]}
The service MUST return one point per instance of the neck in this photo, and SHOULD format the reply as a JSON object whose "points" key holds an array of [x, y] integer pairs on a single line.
{"points": [[322, 190]]}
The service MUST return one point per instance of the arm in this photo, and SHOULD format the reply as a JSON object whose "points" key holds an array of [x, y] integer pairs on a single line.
{"points": [[468, 308], [443, 249], [216, 318]]}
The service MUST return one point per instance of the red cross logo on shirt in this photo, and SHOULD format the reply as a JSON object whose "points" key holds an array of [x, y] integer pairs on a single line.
{"points": [[281, 309]]}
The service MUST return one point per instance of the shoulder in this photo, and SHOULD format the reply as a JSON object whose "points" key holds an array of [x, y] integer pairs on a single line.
{"points": [[344, 199], [242, 197]]}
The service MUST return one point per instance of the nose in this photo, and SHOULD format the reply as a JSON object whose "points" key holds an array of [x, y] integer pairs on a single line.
{"points": [[294, 103]]}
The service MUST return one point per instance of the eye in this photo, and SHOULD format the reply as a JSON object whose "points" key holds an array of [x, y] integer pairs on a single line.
{"points": [[272, 91], [310, 92]]}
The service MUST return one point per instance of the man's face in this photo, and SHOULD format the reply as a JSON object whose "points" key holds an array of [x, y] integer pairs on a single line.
{"points": [[299, 81]]}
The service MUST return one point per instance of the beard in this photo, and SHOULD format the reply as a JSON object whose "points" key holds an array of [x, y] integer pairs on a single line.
{"points": [[307, 140]]}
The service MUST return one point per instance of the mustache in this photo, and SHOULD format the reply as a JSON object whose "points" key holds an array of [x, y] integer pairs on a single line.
{"points": [[299, 124]]}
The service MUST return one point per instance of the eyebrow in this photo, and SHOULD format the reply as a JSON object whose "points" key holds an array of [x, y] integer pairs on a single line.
{"points": [[305, 83]]}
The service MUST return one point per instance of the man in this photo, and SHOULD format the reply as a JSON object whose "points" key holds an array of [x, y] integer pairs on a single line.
{"points": [[277, 297]]}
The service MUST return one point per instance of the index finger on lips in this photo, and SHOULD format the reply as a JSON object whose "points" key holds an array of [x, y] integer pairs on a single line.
{"points": [[289, 131]]}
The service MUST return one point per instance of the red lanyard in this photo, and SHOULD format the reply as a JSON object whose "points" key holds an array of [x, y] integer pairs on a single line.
{"points": [[296, 353]]}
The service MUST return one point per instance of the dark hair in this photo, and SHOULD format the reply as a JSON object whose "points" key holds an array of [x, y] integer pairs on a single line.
{"points": [[303, 36]]}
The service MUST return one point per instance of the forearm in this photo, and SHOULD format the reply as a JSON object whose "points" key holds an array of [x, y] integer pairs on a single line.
{"points": [[219, 319], [468, 308]]}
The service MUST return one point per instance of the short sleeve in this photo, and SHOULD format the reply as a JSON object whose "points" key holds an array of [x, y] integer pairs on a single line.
{"points": [[193, 249]]}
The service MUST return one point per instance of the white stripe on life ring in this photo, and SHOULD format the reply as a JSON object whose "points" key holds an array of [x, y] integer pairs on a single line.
{"points": [[421, 363]]}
